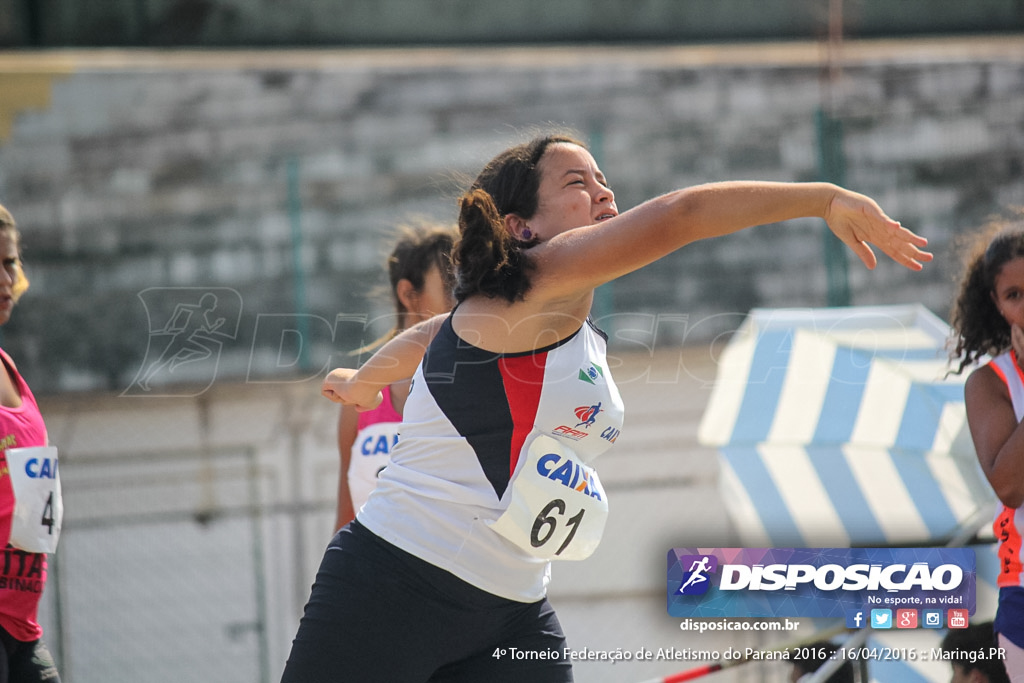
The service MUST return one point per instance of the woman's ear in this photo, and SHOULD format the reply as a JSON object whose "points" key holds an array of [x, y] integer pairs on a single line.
{"points": [[407, 295], [516, 225]]}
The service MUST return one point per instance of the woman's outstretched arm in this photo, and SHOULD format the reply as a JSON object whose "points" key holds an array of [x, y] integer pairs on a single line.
{"points": [[396, 360], [586, 257]]}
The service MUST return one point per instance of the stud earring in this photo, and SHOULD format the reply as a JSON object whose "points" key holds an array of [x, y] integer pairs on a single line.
{"points": [[527, 234]]}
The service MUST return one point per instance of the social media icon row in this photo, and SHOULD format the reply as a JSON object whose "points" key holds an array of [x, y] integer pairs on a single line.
{"points": [[906, 618]]}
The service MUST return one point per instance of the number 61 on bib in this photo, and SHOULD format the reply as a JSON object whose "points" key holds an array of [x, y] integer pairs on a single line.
{"points": [[38, 508], [558, 507]]}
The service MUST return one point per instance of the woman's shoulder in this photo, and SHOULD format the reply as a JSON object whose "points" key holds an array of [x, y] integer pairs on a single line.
{"points": [[8, 361], [985, 381], [983, 373], [518, 327]]}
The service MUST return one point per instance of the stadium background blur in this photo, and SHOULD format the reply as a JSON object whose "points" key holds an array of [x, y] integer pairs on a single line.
{"points": [[155, 152]]}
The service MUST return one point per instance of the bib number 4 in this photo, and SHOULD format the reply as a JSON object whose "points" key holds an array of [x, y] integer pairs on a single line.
{"points": [[38, 508], [48, 520]]}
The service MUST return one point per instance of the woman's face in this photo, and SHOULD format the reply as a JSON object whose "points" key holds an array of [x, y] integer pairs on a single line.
{"points": [[9, 273], [433, 299], [1008, 292], [572, 192]]}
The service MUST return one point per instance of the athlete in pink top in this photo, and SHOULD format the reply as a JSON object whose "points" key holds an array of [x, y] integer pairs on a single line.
{"points": [[22, 574], [420, 275], [371, 448]]}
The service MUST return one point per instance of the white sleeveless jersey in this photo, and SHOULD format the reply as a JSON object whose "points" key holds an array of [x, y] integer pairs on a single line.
{"points": [[1009, 522], [468, 424]]}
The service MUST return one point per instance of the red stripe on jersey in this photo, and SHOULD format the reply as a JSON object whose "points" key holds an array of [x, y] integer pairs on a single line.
{"points": [[1016, 366], [999, 371], [1009, 538], [1005, 527], [523, 377]]}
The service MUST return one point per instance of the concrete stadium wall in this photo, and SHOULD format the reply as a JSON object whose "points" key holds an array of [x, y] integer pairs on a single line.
{"points": [[142, 179]]}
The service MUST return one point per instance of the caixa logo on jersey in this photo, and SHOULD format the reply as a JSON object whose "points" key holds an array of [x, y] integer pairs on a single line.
{"points": [[41, 468], [817, 582], [571, 474]]}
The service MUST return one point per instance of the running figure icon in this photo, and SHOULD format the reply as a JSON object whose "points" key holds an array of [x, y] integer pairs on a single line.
{"points": [[189, 327], [698, 571], [588, 414]]}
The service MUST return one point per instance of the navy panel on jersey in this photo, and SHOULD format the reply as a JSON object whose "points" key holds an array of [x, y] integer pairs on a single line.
{"points": [[466, 383]]}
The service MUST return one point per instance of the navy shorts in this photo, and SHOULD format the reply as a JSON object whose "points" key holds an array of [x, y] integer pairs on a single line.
{"points": [[379, 615], [1010, 614], [22, 662]]}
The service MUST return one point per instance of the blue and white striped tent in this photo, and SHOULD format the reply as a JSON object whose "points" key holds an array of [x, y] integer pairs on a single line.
{"points": [[839, 427]]}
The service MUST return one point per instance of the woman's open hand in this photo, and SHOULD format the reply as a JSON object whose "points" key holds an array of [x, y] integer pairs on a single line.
{"points": [[858, 221]]}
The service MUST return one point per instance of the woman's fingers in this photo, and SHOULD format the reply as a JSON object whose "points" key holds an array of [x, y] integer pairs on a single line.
{"points": [[859, 222], [905, 248]]}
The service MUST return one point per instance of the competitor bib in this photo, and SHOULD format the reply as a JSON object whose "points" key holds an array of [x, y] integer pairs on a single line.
{"points": [[38, 508], [371, 453], [558, 508]]}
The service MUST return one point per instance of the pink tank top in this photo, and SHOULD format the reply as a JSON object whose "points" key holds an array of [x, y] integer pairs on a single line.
{"points": [[371, 451], [22, 574]]}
